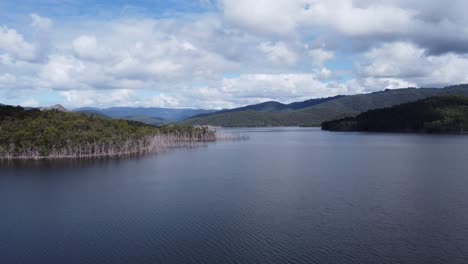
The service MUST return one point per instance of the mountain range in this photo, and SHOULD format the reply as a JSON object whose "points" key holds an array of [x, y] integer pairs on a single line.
{"points": [[145, 114], [311, 112], [322, 110], [272, 106]]}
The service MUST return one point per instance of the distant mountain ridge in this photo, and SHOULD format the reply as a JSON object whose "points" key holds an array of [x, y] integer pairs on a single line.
{"points": [[273, 106], [168, 114], [311, 112], [314, 115], [149, 115]]}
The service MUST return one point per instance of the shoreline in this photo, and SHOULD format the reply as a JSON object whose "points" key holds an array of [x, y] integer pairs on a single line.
{"points": [[153, 145]]}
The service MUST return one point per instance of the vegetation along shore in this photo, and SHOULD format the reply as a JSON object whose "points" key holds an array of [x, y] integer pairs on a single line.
{"points": [[53, 134], [439, 114]]}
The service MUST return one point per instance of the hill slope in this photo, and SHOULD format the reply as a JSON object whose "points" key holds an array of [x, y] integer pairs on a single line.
{"points": [[439, 114], [325, 111]]}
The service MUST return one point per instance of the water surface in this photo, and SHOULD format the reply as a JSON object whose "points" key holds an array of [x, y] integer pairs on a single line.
{"points": [[287, 195]]}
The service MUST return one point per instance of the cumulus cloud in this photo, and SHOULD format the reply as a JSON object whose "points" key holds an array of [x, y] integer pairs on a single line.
{"points": [[438, 26], [320, 56], [129, 55], [39, 22], [347, 18], [15, 45], [86, 47], [263, 16], [407, 61], [99, 98], [398, 59], [62, 72], [285, 16], [278, 53]]}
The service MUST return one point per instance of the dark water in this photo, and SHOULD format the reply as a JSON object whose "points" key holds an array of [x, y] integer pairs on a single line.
{"points": [[285, 196]]}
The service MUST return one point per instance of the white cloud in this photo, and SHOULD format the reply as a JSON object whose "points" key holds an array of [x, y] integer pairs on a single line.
{"points": [[447, 69], [324, 73], [406, 61], [86, 47], [346, 17], [158, 55], [14, 44], [285, 16], [129, 63], [398, 59], [99, 98], [265, 16], [320, 56], [438, 26], [62, 72], [278, 53], [285, 87], [39, 22], [134, 66]]}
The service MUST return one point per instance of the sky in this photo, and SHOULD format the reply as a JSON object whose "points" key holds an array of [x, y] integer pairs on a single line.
{"points": [[216, 54]]}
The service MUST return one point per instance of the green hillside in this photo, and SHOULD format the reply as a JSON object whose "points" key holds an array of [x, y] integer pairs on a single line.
{"points": [[329, 110], [439, 114]]}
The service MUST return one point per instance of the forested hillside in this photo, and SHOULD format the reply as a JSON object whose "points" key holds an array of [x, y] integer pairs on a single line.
{"points": [[440, 114]]}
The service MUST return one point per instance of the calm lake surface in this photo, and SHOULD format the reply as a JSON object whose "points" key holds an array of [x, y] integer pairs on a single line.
{"points": [[287, 195]]}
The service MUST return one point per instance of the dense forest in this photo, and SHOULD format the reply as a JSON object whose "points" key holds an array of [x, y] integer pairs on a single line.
{"points": [[439, 114], [32, 133]]}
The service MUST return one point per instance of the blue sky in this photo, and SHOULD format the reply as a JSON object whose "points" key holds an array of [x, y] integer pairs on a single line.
{"points": [[66, 8], [224, 53]]}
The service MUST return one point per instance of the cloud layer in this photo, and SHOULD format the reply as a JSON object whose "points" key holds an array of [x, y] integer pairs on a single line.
{"points": [[232, 53]]}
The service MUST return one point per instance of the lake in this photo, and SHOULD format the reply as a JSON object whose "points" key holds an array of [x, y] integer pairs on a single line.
{"points": [[286, 195]]}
